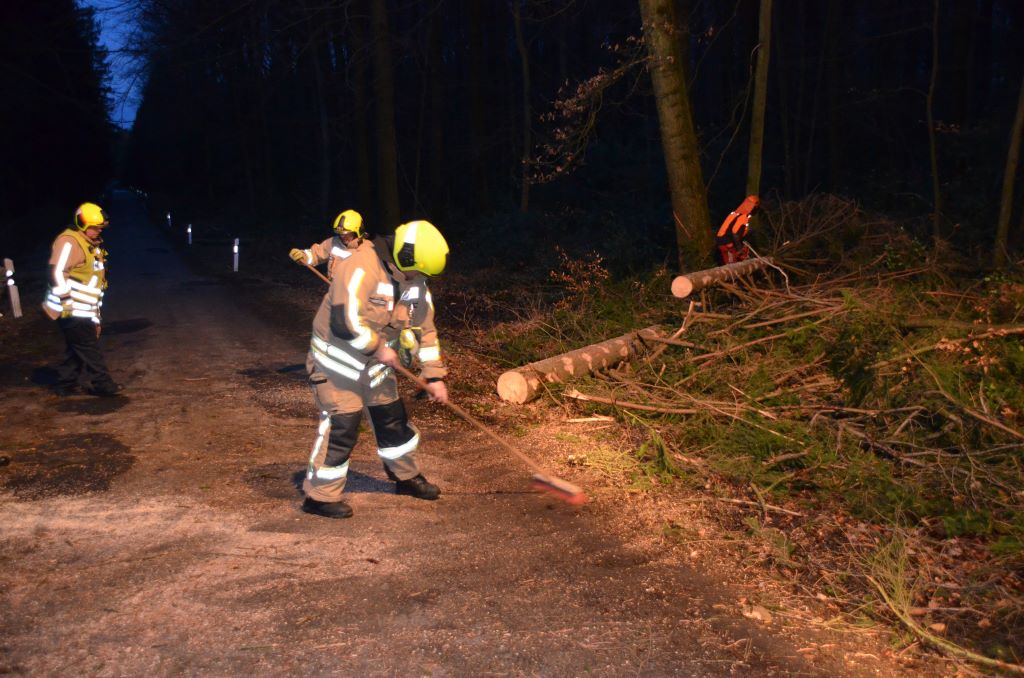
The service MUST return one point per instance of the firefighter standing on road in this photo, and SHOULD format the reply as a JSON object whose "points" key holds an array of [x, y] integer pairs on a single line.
{"points": [[348, 229], [733, 232], [78, 278], [378, 302]]}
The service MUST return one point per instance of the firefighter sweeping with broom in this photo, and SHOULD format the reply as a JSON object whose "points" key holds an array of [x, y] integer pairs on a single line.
{"points": [[378, 298]]}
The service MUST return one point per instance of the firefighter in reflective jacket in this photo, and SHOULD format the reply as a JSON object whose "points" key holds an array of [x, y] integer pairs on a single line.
{"points": [[378, 295], [733, 232], [348, 235], [78, 278]]}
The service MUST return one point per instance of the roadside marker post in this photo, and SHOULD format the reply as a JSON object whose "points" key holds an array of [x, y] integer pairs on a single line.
{"points": [[190, 234], [12, 289], [168, 220], [235, 250]]}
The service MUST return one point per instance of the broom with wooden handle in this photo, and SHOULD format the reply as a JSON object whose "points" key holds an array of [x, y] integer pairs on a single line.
{"points": [[562, 489]]}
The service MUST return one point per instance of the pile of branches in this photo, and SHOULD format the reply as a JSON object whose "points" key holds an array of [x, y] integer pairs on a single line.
{"points": [[877, 416]]}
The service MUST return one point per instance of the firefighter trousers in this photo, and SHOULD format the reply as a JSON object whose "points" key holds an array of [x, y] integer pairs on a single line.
{"points": [[83, 362], [341, 403]]}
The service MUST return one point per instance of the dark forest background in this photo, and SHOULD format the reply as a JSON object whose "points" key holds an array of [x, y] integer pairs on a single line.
{"points": [[512, 125]]}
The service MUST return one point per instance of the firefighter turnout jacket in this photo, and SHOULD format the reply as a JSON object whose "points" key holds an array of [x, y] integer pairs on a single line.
{"points": [[77, 277], [370, 302], [332, 250]]}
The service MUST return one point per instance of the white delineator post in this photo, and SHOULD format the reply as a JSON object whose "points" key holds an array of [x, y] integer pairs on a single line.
{"points": [[235, 250], [12, 289], [168, 220], [190, 234]]}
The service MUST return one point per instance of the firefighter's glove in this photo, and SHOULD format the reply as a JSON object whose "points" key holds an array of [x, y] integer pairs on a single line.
{"points": [[408, 346], [298, 256], [437, 391]]}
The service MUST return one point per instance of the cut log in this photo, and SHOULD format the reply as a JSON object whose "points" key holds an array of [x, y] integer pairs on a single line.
{"points": [[685, 285], [524, 383]]}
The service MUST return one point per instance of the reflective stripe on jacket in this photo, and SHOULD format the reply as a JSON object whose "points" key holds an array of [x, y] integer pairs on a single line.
{"points": [[332, 250], [78, 277]]}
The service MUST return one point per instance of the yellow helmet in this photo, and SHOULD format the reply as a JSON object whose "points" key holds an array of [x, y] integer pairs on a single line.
{"points": [[90, 215], [419, 246], [350, 221]]}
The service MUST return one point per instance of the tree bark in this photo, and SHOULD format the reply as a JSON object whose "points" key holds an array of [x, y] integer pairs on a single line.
{"points": [[524, 63], [525, 383], [685, 285], [360, 105], [435, 68], [384, 95], [323, 129], [835, 144], [1009, 177], [678, 133], [478, 66], [760, 97], [929, 112]]}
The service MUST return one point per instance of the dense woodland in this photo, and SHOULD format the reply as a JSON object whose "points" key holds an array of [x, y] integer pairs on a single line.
{"points": [[56, 137], [513, 121]]}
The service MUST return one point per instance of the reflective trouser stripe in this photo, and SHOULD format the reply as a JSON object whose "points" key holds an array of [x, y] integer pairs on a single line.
{"points": [[400, 450], [321, 433], [332, 472]]}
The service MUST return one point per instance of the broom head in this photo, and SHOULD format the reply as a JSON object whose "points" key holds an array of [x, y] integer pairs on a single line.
{"points": [[561, 489]]}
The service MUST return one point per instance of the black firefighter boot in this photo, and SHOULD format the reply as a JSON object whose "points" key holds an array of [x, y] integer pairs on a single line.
{"points": [[327, 509], [418, 487]]}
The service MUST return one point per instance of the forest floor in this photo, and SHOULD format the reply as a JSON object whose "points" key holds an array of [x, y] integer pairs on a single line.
{"points": [[159, 533]]}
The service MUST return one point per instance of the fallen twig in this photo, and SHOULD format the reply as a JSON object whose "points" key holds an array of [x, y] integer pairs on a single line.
{"points": [[744, 502], [938, 641], [573, 393]]}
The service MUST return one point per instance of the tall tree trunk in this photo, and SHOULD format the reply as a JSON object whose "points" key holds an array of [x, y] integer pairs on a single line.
{"points": [[835, 144], [782, 97], [1009, 177], [384, 95], [324, 137], [436, 75], [360, 121], [819, 77], [760, 97], [932, 150], [478, 181], [678, 134], [524, 63]]}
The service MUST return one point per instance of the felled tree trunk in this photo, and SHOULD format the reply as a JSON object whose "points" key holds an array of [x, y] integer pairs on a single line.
{"points": [[524, 383], [685, 285]]}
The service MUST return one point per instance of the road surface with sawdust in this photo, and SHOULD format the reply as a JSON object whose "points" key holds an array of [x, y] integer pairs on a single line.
{"points": [[159, 533]]}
